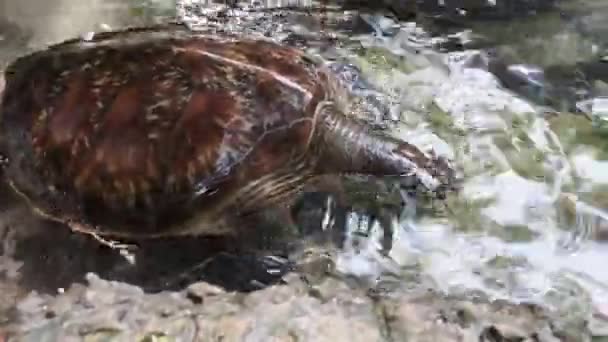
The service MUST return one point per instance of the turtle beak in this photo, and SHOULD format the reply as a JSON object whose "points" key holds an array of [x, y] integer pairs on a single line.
{"points": [[445, 175]]}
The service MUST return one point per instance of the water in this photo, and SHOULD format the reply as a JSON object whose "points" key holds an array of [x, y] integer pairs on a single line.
{"points": [[525, 169], [532, 221]]}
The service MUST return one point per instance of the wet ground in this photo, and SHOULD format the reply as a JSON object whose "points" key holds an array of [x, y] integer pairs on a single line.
{"points": [[530, 226]]}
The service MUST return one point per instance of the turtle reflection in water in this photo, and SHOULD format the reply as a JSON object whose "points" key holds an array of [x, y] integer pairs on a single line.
{"points": [[158, 132]]}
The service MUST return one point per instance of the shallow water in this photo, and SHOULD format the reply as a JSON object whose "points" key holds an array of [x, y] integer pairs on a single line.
{"points": [[511, 239], [530, 224], [532, 221]]}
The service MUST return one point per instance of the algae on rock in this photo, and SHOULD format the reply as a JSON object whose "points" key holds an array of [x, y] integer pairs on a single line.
{"points": [[576, 130], [375, 58]]}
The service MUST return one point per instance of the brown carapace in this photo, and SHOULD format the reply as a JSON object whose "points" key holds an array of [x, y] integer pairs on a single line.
{"points": [[164, 132]]}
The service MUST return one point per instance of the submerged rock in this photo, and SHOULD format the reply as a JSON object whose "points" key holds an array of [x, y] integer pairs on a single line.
{"points": [[597, 110], [485, 9]]}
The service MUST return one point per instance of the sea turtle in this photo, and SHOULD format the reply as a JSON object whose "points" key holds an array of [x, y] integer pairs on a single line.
{"points": [[155, 132]]}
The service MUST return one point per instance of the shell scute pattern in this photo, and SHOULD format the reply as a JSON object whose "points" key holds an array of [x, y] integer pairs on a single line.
{"points": [[144, 130]]}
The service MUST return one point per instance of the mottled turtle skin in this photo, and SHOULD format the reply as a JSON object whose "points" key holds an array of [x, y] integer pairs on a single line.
{"points": [[160, 132]]}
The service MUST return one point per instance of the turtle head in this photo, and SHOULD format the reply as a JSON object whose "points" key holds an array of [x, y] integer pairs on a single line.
{"points": [[354, 146], [443, 177], [427, 173]]}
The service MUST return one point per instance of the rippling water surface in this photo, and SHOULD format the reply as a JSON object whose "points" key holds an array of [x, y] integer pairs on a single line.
{"points": [[532, 222]]}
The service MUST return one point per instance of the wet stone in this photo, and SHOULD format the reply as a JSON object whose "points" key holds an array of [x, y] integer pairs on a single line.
{"points": [[329, 311], [198, 291]]}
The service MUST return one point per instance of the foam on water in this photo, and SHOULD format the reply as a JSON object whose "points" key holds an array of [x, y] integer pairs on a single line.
{"points": [[555, 257]]}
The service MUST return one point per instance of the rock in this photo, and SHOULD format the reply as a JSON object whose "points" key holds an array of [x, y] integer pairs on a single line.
{"points": [[403, 9], [583, 217], [486, 9], [476, 102], [381, 24], [590, 19], [599, 113], [588, 167], [202, 290], [329, 311], [526, 80], [429, 317]]}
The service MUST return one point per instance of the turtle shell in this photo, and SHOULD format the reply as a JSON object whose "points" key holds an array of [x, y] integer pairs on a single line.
{"points": [[152, 132]]}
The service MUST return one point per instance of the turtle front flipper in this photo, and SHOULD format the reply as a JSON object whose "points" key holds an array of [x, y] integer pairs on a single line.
{"points": [[347, 145]]}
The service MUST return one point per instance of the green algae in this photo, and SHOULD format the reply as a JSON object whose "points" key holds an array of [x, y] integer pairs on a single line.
{"points": [[466, 213], [597, 197], [506, 262], [514, 233], [157, 337], [524, 157], [149, 9], [443, 123], [576, 130], [440, 119], [528, 164], [378, 59], [467, 216], [102, 335]]}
